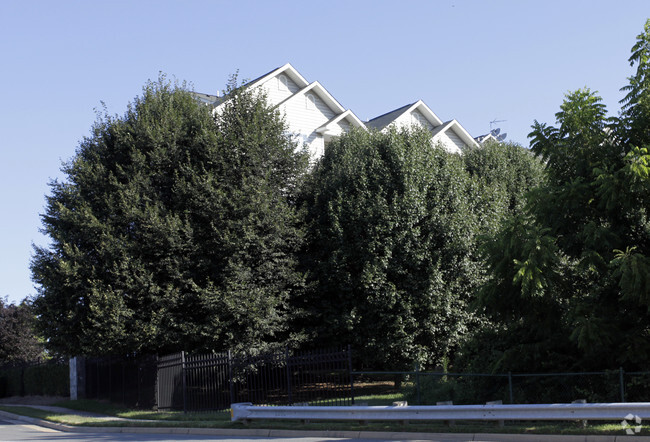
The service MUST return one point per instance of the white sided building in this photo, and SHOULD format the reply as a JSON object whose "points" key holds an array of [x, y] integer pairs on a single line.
{"points": [[315, 116], [450, 134]]}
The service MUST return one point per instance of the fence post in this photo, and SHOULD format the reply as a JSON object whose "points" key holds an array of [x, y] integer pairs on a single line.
{"points": [[123, 382], [110, 378], [22, 381], [157, 382], [510, 386], [621, 380], [184, 382], [286, 358], [77, 367], [350, 373], [417, 380], [230, 383]]}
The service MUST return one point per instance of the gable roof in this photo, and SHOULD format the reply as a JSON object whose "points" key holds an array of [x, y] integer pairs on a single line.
{"points": [[386, 119], [212, 100], [488, 137], [290, 71], [459, 130], [327, 98], [437, 126], [304, 86], [348, 115], [287, 69]]}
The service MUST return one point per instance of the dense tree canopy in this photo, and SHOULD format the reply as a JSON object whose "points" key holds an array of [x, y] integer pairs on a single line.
{"points": [[174, 229], [392, 243], [570, 283], [18, 341], [508, 169]]}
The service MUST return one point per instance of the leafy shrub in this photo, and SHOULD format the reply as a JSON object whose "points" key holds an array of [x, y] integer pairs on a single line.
{"points": [[10, 381], [50, 379], [458, 389], [47, 379]]}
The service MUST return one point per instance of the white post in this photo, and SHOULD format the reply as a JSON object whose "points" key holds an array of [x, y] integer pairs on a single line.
{"points": [[77, 378]]}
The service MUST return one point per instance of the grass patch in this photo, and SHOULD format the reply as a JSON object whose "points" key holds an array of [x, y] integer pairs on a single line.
{"points": [[222, 420], [100, 407], [109, 409], [62, 418], [379, 399], [370, 400]]}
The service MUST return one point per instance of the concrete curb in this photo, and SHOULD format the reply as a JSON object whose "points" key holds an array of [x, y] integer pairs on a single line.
{"points": [[252, 432]]}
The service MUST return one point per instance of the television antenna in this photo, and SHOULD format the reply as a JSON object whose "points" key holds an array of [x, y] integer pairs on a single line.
{"points": [[495, 121]]}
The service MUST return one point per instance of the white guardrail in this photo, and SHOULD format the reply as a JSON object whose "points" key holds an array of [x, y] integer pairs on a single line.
{"points": [[614, 411]]}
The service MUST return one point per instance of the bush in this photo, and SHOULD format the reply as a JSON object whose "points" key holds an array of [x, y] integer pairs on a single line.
{"points": [[433, 389], [49, 379], [458, 389], [10, 381], [46, 379]]}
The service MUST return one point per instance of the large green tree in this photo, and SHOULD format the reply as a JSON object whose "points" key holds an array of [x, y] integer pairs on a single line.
{"points": [[18, 341], [571, 277], [508, 169], [174, 229], [393, 222]]}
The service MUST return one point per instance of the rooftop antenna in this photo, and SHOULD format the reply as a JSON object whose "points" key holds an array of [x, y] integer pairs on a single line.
{"points": [[495, 132], [495, 121]]}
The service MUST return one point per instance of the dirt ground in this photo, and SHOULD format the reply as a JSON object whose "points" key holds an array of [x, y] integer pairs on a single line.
{"points": [[32, 400]]}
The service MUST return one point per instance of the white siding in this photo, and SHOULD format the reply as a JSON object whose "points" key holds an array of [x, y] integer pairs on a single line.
{"points": [[403, 120], [420, 120], [450, 141], [456, 140], [276, 91], [337, 129], [316, 146], [303, 117], [344, 125], [314, 142], [304, 121], [413, 118]]}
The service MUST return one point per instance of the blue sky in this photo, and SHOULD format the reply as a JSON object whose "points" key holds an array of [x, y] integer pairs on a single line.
{"points": [[475, 61]]}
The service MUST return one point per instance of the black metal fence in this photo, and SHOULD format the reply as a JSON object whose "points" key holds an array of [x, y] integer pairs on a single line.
{"points": [[203, 382], [127, 381], [214, 381]]}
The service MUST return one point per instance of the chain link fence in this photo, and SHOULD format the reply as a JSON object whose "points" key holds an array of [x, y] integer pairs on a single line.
{"points": [[431, 388]]}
